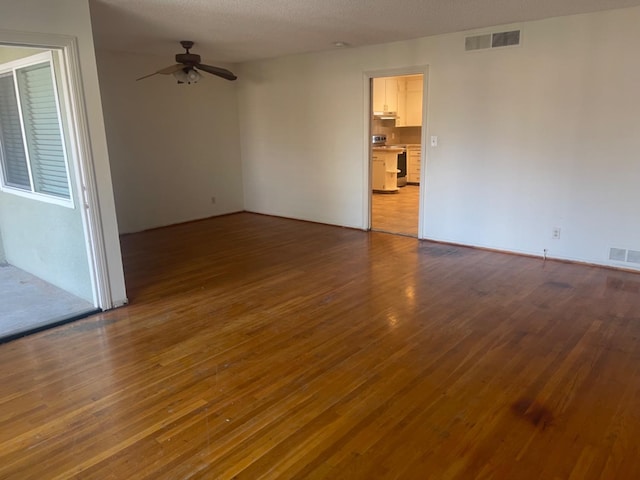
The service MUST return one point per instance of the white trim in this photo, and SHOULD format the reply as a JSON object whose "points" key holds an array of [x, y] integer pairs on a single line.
{"points": [[23, 132], [85, 174], [64, 126], [41, 197], [366, 165], [81, 149], [426, 147]]}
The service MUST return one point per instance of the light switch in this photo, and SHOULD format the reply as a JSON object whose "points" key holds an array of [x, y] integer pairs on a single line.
{"points": [[434, 141]]}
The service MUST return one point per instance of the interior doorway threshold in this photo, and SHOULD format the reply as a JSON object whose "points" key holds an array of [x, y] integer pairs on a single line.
{"points": [[29, 304], [56, 323], [402, 234]]}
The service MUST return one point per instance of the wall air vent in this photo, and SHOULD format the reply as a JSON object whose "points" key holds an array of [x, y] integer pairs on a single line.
{"points": [[492, 40], [633, 256], [505, 39], [477, 42], [618, 254], [622, 255]]}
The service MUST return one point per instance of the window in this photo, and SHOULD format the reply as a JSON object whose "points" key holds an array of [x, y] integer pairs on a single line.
{"points": [[32, 151]]}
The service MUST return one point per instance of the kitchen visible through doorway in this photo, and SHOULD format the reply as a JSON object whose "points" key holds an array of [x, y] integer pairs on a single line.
{"points": [[396, 153]]}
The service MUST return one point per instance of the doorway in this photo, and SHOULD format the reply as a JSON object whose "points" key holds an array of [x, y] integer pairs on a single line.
{"points": [[46, 264], [397, 131]]}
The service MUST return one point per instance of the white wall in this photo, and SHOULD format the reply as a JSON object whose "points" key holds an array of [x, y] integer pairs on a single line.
{"points": [[71, 18], [172, 147], [530, 138], [302, 127]]}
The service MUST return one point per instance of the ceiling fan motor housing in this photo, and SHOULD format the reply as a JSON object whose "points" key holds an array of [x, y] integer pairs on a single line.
{"points": [[188, 58]]}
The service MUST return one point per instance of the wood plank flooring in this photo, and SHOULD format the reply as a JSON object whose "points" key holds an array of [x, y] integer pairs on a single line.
{"points": [[396, 212], [259, 347]]}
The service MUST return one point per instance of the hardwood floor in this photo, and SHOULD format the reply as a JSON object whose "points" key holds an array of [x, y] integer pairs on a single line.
{"points": [[259, 347], [396, 212]]}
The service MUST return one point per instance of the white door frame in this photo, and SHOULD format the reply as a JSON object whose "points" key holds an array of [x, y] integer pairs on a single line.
{"points": [[80, 149], [368, 108]]}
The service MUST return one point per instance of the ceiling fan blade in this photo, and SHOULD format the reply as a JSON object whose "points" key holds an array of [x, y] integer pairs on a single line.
{"points": [[165, 71], [171, 69], [220, 72], [147, 76]]}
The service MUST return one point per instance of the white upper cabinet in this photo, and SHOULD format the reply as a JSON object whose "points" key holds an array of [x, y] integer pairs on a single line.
{"points": [[385, 94], [409, 101]]}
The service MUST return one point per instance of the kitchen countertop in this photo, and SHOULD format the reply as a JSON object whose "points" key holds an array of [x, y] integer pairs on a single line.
{"points": [[403, 145], [395, 149]]}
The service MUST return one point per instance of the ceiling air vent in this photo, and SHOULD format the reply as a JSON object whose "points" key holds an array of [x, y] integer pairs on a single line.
{"points": [[492, 40]]}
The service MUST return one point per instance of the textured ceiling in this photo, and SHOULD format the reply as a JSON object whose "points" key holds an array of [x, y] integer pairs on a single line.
{"points": [[242, 30]]}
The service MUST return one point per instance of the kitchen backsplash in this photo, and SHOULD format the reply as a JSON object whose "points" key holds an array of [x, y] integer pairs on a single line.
{"points": [[397, 135]]}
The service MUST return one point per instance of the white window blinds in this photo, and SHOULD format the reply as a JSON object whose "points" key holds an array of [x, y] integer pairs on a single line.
{"points": [[14, 159], [42, 129], [33, 153]]}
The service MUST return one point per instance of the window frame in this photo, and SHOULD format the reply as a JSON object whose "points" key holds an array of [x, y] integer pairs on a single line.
{"points": [[11, 68]]}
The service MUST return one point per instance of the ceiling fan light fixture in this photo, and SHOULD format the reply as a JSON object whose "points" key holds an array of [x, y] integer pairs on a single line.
{"points": [[193, 76], [187, 76], [180, 76]]}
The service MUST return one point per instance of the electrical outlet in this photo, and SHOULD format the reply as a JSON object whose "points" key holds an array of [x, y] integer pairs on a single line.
{"points": [[555, 233], [213, 200]]}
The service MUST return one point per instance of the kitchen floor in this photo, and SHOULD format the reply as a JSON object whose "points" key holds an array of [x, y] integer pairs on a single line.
{"points": [[396, 212]]}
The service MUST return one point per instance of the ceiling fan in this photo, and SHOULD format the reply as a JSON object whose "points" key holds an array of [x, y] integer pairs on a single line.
{"points": [[186, 70]]}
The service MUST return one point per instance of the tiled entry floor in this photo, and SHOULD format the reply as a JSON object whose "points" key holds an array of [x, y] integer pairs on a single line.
{"points": [[27, 302]]}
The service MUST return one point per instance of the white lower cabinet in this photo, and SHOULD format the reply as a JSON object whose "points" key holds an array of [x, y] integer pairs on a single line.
{"points": [[384, 171], [413, 164]]}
